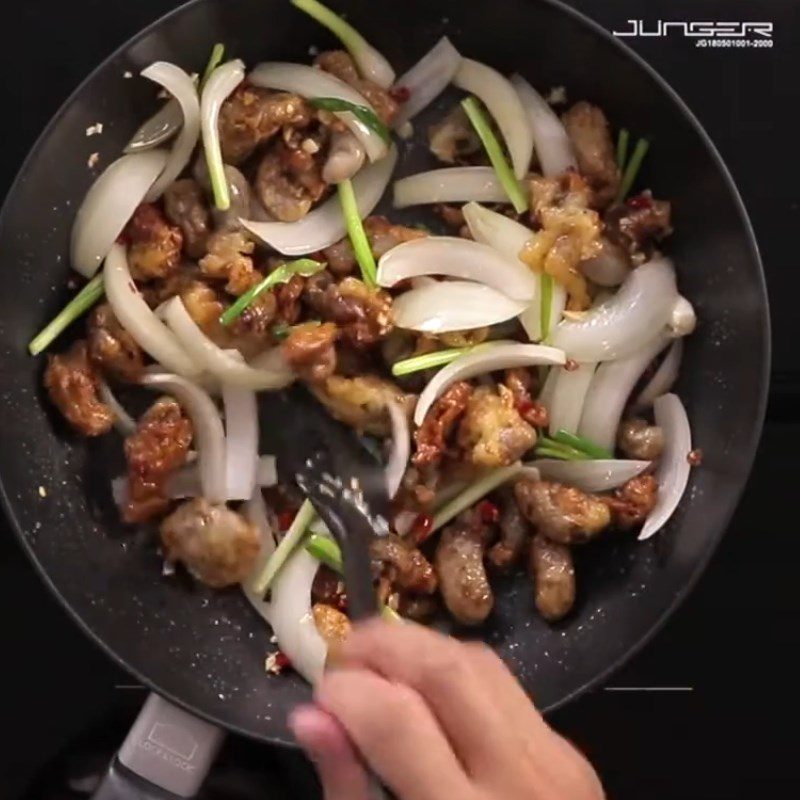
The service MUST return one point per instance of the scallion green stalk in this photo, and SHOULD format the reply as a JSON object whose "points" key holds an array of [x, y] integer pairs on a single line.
{"points": [[294, 536], [217, 54], [474, 492], [561, 455], [349, 36], [622, 148], [324, 549], [284, 273], [547, 304], [583, 444], [505, 173], [550, 448], [632, 169], [366, 115], [390, 615], [428, 361], [357, 234], [76, 307]]}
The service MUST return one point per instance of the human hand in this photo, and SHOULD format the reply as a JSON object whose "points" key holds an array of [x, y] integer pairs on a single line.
{"points": [[435, 719]]}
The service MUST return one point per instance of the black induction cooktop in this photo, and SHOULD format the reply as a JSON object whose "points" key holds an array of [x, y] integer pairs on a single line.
{"points": [[697, 714]]}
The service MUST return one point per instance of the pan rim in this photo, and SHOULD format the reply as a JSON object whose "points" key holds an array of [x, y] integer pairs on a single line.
{"points": [[749, 448]]}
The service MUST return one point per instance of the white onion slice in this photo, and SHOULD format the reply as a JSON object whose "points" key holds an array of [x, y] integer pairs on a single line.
{"points": [[108, 206], [160, 128], [223, 366], [311, 82], [325, 225], [241, 441], [427, 79], [673, 467], [488, 358], [550, 383], [503, 103], [266, 471], [683, 319], [449, 185], [133, 313], [610, 389], [181, 86], [292, 619], [457, 258], [453, 306], [569, 395], [209, 435], [638, 312], [505, 235], [123, 421], [663, 379], [598, 475], [550, 139], [509, 238], [185, 482], [255, 512], [401, 448]]}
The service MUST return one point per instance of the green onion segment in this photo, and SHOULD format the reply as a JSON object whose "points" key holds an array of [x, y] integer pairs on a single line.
{"points": [[632, 169], [217, 54], [505, 174], [76, 307], [357, 234], [428, 361], [622, 148], [294, 536], [583, 444], [366, 115], [282, 274]]}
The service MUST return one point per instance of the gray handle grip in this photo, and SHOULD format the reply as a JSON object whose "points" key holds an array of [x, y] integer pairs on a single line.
{"points": [[167, 754]]}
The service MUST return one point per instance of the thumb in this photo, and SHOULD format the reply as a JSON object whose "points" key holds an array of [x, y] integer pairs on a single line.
{"points": [[326, 744]]}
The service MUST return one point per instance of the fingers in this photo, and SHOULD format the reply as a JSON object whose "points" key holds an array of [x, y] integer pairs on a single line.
{"points": [[516, 708], [396, 733], [325, 742], [455, 684]]}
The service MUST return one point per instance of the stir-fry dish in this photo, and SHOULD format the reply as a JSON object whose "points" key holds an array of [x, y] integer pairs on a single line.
{"points": [[514, 372]]}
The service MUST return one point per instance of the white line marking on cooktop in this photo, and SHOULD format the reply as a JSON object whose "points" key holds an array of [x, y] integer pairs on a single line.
{"points": [[648, 688]]}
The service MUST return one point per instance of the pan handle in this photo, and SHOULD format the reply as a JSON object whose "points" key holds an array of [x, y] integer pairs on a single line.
{"points": [[167, 754]]}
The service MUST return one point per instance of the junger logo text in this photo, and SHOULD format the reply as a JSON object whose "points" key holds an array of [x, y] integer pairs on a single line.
{"points": [[724, 30]]}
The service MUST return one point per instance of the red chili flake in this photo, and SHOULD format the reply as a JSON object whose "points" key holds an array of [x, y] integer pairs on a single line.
{"points": [[285, 519], [524, 406], [422, 526], [571, 365], [400, 94], [282, 660], [489, 512], [695, 457], [640, 201]]}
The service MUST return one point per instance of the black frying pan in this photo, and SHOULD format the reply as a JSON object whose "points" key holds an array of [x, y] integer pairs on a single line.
{"points": [[205, 650]]}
